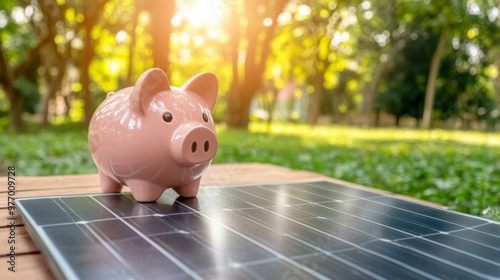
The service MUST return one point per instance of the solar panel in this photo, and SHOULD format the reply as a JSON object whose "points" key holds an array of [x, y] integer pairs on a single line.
{"points": [[306, 230]]}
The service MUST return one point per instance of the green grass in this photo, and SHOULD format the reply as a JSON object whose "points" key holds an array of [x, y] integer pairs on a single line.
{"points": [[56, 150], [459, 169]]}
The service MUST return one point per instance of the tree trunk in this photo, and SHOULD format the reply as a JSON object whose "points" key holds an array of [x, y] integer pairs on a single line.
{"points": [[52, 85], [92, 11], [370, 92], [233, 107], [161, 12], [15, 99], [7, 79], [240, 100], [50, 56], [45, 102], [339, 96], [430, 90], [88, 54], [320, 63], [133, 38], [238, 115], [377, 118], [15, 113], [271, 104], [315, 97], [256, 55]]}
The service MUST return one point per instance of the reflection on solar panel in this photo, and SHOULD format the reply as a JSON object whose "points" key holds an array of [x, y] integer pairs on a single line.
{"points": [[287, 231]]}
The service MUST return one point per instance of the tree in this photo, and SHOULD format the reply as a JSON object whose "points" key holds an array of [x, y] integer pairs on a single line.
{"points": [[132, 48], [469, 93], [411, 20], [430, 91], [52, 76], [318, 29], [384, 34], [405, 90], [91, 12], [463, 90], [313, 48], [161, 13], [21, 50], [260, 17], [15, 100], [449, 18], [341, 54]]}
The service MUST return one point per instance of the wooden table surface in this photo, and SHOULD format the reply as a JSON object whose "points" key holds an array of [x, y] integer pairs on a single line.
{"points": [[30, 264]]}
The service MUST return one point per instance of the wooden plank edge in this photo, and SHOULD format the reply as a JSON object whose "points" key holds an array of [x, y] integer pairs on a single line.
{"points": [[21, 241], [28, 266]]}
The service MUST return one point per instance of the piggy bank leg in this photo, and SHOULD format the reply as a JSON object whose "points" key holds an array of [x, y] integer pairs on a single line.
{"points": [[189, 190], [144, 191], [109, 185]]}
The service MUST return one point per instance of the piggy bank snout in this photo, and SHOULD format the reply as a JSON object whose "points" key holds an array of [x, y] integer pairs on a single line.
{"points": [[196, 145]]}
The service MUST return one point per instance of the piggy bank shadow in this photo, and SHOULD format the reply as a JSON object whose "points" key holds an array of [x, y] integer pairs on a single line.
{"points": [[167, 205], [184, 202]]}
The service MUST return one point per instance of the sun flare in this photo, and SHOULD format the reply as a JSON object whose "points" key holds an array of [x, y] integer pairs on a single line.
{"points": [[201, 12]]}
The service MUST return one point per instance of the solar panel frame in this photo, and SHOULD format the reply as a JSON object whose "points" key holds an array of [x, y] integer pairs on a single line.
{"points": [[318, 229]]}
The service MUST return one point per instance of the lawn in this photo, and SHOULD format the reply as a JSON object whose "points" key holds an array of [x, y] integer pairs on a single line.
{"points": [[459, 169]]}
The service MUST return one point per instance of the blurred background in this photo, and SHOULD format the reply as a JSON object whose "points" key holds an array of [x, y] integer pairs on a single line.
{"points": [[401, 95]]}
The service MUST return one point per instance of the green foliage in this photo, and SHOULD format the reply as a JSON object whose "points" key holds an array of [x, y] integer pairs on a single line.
{"points": [[405, 91], [464, 91], [454, 168], [331, 49], [457, 169], [31, 95], [57, 150]]}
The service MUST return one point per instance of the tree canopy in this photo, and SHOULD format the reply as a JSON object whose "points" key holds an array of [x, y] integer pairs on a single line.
{"points": [[436, 62]]}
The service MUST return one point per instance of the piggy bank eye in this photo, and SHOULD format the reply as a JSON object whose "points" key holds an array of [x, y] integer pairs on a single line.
{"points": [[205, 117], [167, 117]]}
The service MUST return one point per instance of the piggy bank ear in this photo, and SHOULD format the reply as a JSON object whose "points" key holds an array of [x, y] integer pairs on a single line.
{"points": [[149, 84], [204, 85]]}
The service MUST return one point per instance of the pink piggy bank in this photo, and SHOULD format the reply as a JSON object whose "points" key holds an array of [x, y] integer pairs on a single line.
{"points": [[154, 136]]}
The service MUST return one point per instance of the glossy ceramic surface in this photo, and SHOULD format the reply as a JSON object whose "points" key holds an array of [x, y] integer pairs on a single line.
{"points": [[154, 136]]}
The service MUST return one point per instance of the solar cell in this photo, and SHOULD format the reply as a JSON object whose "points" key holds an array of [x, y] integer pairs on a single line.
{"points": [[317, 230]]}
